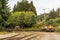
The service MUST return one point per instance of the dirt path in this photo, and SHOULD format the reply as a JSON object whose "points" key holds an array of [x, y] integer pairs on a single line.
{"points": [[36, 36], [47, 36], [50, 36]]}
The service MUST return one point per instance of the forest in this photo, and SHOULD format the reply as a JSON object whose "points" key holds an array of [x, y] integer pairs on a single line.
{"points": [[25, 16]]}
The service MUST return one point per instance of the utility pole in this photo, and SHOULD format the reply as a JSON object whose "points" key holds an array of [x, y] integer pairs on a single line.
{"points": [[44, 16]]}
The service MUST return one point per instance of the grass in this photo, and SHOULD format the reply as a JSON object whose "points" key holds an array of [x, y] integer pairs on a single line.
{"points": [[1, 33]]}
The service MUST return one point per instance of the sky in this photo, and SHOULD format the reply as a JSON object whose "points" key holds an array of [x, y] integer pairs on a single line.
{"points": [[48, 5]]}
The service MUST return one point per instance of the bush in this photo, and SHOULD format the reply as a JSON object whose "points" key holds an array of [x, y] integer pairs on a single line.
{"points": [[23, 19], [56, 22], [57, 29], [1, 28]]}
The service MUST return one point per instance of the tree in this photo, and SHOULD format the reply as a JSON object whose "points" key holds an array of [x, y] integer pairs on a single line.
{"points": [[4, 10], [52, 14], [50, 22], [30, 19], [32, 8], [14, 9], [57, 20], [24, 5], [58, 12], [1, 20], [23, 19]]}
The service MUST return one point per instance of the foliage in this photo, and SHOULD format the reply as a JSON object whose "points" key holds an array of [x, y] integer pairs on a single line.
{"points": [[1, 19], [24, 5], [57, 20], [4, 11], [23, 19], [24, 15], [52, 18], [52, 14], [51, 21]]}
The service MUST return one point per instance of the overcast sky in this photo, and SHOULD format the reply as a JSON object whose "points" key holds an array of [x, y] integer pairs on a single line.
{"points": [[40, 5]]}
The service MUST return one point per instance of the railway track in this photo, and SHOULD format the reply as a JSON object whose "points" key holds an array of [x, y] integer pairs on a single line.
{"points": [[34, 36], [22, 36], [7, 38]]}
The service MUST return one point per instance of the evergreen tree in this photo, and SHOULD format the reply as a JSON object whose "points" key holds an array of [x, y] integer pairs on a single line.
{"points": [[24, 5], [52, 14], [32, 8], [14, 9], [58, 12], [4, 10]]}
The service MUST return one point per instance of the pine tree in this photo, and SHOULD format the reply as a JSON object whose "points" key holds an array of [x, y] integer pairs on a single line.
{"points": [[24, 5], [14, 9], [52, 14], [58, 12], [32, 8], [4, 10]]}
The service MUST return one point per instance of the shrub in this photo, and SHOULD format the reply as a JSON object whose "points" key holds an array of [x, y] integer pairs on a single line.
{"points": [[23, 19]]}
